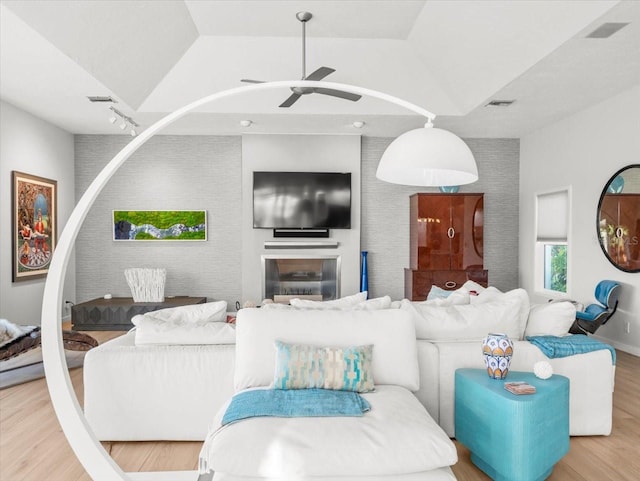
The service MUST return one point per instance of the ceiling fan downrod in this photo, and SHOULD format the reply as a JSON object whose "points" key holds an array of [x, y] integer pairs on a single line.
{"points": [[304, 17]]}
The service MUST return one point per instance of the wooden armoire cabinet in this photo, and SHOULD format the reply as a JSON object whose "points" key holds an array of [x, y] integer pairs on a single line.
{"points": [[446, 243]]}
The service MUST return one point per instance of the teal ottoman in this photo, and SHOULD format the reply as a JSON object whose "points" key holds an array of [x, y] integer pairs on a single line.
{"points": [[512, 437]]}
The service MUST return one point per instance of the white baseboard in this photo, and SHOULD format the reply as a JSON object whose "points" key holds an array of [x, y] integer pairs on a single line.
{"points": [[164, 476], [620, 346]]}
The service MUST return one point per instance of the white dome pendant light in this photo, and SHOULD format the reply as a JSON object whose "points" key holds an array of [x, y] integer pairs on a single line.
{"points": [[428, 157], [89, 451]]}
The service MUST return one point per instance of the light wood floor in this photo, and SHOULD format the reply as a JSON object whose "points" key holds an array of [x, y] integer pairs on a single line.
{"points": [[33, 447]]}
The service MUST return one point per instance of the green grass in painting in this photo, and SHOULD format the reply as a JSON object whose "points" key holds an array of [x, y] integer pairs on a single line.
{"points": [[163, 220]]}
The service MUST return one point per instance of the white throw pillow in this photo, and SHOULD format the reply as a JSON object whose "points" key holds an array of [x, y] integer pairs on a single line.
{"points": [[343, 302], [207, 312], [491, 294], [396, 304], [550, 319], [473, 286], [372, 304]]}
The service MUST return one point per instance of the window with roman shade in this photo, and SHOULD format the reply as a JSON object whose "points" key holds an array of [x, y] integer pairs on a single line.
{"points": [[552, 233]]}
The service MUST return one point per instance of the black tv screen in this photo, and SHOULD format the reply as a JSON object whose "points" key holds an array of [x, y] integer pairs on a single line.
{"points": [[301, 200]]}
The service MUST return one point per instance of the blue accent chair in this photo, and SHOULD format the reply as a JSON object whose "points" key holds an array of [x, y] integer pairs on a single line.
{"points": [[595, 315]]}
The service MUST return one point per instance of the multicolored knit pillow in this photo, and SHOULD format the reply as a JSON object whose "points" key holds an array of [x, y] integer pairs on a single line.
{"points": [[303, 366]]}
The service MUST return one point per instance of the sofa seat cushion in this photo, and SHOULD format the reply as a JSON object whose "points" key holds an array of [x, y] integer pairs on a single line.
{"points": [[397, 436]]}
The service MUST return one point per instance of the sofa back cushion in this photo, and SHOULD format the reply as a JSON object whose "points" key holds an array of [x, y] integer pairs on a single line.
{"points": [[551, 319], [390, 331]]}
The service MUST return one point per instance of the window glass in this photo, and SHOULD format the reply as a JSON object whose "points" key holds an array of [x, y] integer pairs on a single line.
{"points": [[555, 267]]}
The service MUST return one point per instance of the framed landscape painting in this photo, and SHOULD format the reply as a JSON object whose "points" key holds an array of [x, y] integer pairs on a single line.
{"points": [[159, 225], [34, 225]]}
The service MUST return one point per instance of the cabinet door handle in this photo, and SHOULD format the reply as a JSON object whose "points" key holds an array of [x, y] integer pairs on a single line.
{"points": [[450, 284], [451, 232]]}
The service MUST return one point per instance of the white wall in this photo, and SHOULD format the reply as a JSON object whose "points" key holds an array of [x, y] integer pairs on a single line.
{"points": [[328, 153], [31, 145], [583, 151]]}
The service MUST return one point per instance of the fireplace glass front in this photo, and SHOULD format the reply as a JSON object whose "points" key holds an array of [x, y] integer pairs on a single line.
{"points": [[315, 278]]}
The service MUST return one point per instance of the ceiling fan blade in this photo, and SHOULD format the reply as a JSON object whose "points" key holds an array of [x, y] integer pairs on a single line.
{"points": [[290, 101], [319, 74], [338, 93], [249, 81]]}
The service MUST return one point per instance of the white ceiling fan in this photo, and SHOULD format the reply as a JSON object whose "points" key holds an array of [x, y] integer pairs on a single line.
{"points": [[316, 75]]}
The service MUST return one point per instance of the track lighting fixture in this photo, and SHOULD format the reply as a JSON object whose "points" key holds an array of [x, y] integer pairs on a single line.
{"points": [[125, 121]]}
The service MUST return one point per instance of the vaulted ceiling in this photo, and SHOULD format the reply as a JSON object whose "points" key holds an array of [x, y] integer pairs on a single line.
{"points": [[450, 57]]}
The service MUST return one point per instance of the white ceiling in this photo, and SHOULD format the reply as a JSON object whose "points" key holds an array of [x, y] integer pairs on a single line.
{"points": [[450, 57]]}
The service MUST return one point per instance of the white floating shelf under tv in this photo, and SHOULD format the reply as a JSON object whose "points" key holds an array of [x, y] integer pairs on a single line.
{"points": [[302, 244]]}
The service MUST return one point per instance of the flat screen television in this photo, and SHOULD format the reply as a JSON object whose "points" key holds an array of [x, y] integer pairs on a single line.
{"points": [[301, 200]]}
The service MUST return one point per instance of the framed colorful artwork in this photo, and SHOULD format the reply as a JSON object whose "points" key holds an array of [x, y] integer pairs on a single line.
{"points": [[34, 225], [159, 225]]}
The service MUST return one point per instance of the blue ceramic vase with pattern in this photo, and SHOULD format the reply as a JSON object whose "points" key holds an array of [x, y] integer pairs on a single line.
{"points": [[497, 350]]}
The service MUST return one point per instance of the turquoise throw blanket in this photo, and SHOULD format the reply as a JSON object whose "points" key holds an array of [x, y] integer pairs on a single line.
{"points": [[294, 403], [553, 346]]}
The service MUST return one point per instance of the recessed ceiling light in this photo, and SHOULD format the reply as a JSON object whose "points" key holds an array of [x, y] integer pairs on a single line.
{"points": [[246, 123], [606, 30], [358, 124], [499, 103]]}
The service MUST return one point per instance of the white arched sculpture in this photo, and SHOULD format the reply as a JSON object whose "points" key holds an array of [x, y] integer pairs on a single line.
{"points": [[87, 448]]}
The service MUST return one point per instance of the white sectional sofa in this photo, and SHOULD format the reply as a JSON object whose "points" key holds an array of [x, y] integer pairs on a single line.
{"points": [[171, 392]]}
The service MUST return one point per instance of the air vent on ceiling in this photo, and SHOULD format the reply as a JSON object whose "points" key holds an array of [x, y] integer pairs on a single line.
{"points": [[101, 98], [606, 30], [499, 103]]}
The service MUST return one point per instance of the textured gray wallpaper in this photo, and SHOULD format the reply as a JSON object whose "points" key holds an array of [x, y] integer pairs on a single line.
{"points": [[385, 215], [204, 172], [167, 173]]}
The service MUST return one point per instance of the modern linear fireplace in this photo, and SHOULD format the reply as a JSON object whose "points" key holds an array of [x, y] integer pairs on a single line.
{"points": [[287, 276]]}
